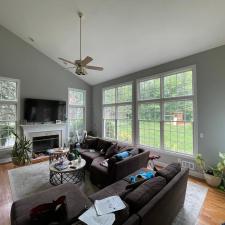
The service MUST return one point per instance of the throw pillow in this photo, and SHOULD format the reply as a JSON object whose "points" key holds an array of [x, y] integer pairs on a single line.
{"points": [[49, 212], [144, 193], [111, 151], [170, 171]]}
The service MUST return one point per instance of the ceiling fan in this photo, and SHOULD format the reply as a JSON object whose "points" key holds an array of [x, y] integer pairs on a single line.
{"points": [[81, 65]]}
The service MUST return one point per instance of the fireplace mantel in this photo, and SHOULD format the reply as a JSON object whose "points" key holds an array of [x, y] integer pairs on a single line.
{"points": [[36, 130]]}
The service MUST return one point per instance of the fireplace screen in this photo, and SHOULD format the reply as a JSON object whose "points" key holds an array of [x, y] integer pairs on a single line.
{"points": [[43, 143]]}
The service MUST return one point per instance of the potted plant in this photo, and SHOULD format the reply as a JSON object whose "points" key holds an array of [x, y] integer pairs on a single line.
{"points": [[212, 175], [21, 153], [221, 166]]}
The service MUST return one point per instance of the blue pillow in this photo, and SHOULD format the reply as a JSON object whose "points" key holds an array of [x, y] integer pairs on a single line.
{"points": [[122, 155], [144, 175]]}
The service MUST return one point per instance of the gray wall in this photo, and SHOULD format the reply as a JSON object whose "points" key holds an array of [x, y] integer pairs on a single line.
{"points": [[40, 77], [210, 66]]}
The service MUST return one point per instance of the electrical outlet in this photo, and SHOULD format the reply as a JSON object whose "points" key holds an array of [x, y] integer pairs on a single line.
{"points": [[187, 164]]}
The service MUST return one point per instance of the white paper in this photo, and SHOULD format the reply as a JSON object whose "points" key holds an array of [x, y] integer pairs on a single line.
{"points": [[109, 205], [90, 217]]}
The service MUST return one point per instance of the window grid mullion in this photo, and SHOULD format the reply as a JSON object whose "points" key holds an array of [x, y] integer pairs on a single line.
{"points": [[161, 113]]}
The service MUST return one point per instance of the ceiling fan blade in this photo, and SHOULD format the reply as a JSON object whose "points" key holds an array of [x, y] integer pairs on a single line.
{"points": [[67, 61], [94, 68], [70, 67], [85, 61], [77, 62]]}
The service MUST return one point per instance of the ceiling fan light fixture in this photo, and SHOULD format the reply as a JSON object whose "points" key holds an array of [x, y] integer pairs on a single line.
{"points": [[80, 71]]}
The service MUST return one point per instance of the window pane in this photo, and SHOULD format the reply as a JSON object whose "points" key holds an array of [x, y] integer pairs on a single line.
{"points": [[109, 112], [124, 123], [109, 128], [76, 113], [149, 89], [7, 139], [179, 84], [149, 124], [124, 93], [178, 111], [109, 96], [178, 137], [76, 97], [149, 111], [8, 90], [7, 112], [74, 125]]}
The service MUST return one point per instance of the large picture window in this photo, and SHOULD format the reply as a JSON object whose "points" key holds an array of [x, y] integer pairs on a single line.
{"points": [[9, 95], [117, 113], [76, 110], [166, 112]]}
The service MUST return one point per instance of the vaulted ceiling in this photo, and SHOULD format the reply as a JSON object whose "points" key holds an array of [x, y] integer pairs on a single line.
{"points": [[123, 36]]}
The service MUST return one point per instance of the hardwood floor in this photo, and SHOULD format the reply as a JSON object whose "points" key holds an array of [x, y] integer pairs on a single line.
{"points": [[212, 212]]}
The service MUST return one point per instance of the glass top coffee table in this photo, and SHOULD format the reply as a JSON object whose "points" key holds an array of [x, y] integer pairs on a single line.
{"points": [[74, 173]]}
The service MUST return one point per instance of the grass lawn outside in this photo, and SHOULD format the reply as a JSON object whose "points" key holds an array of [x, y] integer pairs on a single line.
{"points": [[178, 137]]}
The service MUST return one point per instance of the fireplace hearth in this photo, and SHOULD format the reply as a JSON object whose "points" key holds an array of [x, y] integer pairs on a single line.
{"points": [[42, 143]]}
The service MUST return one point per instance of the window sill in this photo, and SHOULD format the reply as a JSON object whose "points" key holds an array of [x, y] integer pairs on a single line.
{"points": [[169, 153], [6, 149]]}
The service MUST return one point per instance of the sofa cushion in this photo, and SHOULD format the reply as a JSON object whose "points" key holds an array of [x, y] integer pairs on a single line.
{"points": [[144, 193], [75, 199], [97, 164], [103, 145], [111, 151], [81, 150], [89, 156], [91, 143], [169, 171], [117, 188]]}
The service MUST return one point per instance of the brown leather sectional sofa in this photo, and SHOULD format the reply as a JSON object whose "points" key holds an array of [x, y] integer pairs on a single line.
{"points": [[154, 202], [117, 169]]}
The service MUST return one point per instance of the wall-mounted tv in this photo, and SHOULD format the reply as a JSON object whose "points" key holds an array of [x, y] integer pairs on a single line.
{"points": [[40, 110]]}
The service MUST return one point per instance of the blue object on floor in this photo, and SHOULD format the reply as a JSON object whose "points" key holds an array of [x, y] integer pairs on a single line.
{"points": [[145, 175]]}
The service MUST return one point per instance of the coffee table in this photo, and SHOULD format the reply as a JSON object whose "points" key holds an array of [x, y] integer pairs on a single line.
{"points": [[69, 175]]}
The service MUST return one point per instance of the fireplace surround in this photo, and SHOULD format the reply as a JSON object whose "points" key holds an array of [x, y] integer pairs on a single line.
{"points": [[45, 136]]}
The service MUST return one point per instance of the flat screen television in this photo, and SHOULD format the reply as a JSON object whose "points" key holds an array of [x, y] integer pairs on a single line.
{"points": [[40, 110]]}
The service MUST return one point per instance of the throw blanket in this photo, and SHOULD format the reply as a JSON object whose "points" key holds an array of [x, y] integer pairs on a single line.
{"points": [[141, 176]]}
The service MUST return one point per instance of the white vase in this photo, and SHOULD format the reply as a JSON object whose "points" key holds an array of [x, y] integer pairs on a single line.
{"points": [[212, 180]]}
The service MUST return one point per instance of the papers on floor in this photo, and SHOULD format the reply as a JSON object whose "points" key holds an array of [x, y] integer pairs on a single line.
{"points": [[102, 211], [109, 205], [90, 217]]}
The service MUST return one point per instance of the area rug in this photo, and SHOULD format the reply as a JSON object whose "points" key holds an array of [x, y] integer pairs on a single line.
{"points": [[194, 199], [27, 180]]}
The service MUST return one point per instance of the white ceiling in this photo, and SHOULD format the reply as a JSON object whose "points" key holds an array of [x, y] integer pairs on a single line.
{"points": [[123, 36]]}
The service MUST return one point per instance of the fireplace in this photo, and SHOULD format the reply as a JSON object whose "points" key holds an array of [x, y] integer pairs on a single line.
{"points": [[43, 143], [45, 136]]}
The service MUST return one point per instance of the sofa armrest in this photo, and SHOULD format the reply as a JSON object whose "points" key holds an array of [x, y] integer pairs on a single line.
{"points": [[127, 166]]}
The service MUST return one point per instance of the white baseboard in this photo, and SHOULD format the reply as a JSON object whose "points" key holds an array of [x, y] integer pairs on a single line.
{"points": [[192, 173]]}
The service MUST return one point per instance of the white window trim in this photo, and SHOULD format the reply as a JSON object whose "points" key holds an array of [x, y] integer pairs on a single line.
{"points": [[17, 102], [77, 106], [116, 106], [193, 97]]}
